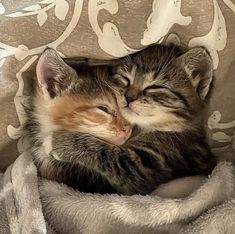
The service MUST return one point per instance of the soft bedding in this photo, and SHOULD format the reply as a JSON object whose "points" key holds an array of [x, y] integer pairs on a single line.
{"points": [[107, 29], [188, 205]]}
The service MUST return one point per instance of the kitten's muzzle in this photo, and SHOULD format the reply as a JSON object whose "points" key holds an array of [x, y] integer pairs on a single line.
{"points": [[122, 135], [127, 130], [130, 98]]}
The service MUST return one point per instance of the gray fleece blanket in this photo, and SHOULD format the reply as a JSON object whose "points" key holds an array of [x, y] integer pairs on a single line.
{"points": [[104, 29], [188, 205]]}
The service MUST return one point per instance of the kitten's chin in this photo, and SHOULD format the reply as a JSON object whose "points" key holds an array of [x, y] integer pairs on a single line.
{"points": [[135, 118], [153, 123], [120, 138]]}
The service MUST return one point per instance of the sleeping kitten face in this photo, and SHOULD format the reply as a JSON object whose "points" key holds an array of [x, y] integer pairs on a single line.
{"points": [[76, 102], [160, 88]]}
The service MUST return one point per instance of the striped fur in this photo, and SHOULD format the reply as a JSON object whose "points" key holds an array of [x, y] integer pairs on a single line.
{"points": [[161, 91]]}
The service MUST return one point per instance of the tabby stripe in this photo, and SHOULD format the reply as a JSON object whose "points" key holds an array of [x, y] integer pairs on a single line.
{"points": [[166, 103], [148, 159], [124, 163], [182, 114], [177, 94], [104, 159], [181, 97], [133, 165]]}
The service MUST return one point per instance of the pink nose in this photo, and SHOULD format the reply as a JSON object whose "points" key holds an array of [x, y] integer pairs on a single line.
{"points": [[127, 130]]}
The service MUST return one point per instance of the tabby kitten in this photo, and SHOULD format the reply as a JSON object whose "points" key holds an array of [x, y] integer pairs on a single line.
{"points": [[161, 91]]}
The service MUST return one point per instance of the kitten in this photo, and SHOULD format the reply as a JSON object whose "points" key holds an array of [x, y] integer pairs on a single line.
{"points": [[161, 91], [75, 101]]}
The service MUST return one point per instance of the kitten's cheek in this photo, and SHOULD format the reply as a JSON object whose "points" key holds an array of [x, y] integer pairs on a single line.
{"points": [[134, 108], [121, 101]]}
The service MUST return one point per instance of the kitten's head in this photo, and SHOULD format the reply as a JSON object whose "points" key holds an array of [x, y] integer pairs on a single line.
{"points": [[77, 101], [162, 88]]}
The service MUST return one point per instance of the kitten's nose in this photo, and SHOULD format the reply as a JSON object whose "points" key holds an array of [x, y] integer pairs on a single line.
{"points": [[127, 131], [126, 128], [130, 98]]}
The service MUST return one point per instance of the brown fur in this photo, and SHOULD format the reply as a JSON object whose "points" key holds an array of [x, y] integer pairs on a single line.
{"points": [[77, 113], [74, 112], [70, 112], [160, 90]]}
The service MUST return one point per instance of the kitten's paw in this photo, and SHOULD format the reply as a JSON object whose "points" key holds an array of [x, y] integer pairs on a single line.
{"points": [[47, 144]]}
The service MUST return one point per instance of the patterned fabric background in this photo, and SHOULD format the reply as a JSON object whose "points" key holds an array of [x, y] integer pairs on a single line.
{"points": [[108, 29]]}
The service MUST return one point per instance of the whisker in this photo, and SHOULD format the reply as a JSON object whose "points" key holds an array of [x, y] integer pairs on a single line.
{"points": [[164, 68], [109, 86], [167, 62]]}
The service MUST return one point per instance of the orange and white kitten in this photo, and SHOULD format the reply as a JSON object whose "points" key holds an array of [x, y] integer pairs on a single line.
{"points": [[92, 110], [64, 99]]}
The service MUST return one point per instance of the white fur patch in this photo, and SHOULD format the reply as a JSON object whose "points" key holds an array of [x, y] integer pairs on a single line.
{"points": [[47, 144]]}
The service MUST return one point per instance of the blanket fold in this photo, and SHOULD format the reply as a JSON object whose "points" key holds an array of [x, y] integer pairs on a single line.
{"points": [[33, 205]]}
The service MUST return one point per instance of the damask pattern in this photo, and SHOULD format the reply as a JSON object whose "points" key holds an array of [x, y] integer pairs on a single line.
{"points": [[107, 29]]}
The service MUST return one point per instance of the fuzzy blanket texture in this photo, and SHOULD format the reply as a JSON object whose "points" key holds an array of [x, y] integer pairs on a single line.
{"points": [[188, 205], [107, 29]]}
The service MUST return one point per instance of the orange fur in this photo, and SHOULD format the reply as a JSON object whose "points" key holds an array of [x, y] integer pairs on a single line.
{"points": [[80, 113], [70, 111]]}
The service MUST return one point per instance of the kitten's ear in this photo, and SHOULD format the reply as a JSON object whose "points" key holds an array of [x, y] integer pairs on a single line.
{"points": [[199, 67], [53, 74]]}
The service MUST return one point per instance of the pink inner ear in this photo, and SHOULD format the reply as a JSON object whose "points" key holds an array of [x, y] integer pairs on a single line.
{"points": [[44, 72], [41, 70]]}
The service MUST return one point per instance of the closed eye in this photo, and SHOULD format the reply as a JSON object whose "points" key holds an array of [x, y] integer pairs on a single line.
{"points": [[166, 96], [104, 109], [123, 79], [107, 110], [155, 88]]}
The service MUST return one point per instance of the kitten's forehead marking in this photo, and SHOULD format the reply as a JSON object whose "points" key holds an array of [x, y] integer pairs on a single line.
{"points": [[148, 79], [129, 74], [154, 80], [133, 73]]}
